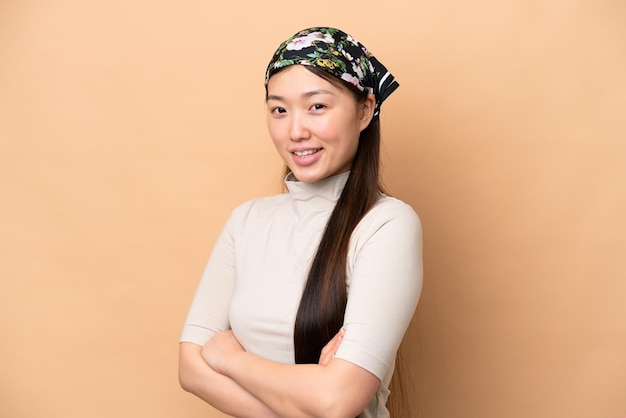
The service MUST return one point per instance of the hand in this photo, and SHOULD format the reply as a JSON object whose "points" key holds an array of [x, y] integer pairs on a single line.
{"points": [[219, 349], [329, 350]]}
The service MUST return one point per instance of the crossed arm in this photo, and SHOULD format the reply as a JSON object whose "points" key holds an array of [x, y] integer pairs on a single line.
{"points": [[244, 385], [384, 290]]}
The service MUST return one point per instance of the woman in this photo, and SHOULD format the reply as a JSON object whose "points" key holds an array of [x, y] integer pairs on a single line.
{"points": [[307, 295]]}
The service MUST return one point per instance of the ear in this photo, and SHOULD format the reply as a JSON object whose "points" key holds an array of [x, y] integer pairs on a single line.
{"points": [[366, 111]]}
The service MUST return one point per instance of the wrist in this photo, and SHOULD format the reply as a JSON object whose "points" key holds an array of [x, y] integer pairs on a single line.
{"points": [[229, 364]]}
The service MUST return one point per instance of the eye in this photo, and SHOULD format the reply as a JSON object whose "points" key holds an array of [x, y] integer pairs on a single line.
{"points": [[318, 106], [278, 109]]}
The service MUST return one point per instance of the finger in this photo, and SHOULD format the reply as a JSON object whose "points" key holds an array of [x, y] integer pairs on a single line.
{"points": [[327, 354], [329, 350], [332, 345]]}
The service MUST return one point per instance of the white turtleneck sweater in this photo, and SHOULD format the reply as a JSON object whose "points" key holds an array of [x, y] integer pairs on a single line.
{"points": [[256, 274]]}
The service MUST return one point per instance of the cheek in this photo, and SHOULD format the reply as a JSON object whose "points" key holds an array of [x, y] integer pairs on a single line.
{"points": [[273, 129], [344, 135], [334, 130]]}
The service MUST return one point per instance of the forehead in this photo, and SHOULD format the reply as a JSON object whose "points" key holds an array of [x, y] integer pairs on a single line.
{"points": [[296, 79]]}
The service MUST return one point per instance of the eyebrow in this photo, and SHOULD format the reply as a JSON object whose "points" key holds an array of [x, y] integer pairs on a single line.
{"points": [[304, 95]]}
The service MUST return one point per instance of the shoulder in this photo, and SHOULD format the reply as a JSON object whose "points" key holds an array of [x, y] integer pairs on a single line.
{"points": [[389, 220], [391, 209], [260, 207]]}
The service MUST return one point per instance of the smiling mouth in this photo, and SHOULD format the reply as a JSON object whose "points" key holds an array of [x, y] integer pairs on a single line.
{"points": [[307, 152]]}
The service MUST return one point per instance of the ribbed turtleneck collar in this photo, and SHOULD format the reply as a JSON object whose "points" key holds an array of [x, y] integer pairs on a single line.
{"points": [[321, 195]]}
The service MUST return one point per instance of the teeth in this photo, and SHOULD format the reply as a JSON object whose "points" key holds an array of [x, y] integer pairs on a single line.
{"points": [[305, 153]]}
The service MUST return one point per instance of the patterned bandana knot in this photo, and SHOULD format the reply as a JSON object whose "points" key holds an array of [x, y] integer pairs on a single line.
{"points": [[339, 54]]}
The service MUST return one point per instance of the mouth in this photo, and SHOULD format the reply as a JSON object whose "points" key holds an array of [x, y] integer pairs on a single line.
{"points": [[306, 153]]}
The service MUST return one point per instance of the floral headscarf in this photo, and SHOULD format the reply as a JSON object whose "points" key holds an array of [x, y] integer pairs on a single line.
{"points": [[339, 54]]}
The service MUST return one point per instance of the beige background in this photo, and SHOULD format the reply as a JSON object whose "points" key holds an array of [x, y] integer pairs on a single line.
{"points": [[129, 130]]}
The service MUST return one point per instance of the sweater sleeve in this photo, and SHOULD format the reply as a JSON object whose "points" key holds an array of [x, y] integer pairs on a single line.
{"points": [[208, 313], [385, 281]]}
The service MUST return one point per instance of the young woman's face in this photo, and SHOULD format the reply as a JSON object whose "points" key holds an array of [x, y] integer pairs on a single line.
{"points": [[314, 124]]}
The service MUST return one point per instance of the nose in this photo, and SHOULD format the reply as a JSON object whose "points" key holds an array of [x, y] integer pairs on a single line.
{"points": [[298, 129]]}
